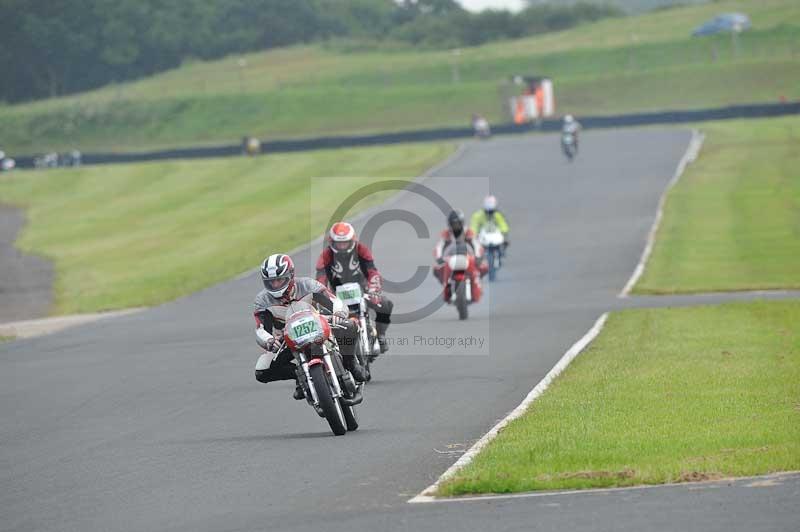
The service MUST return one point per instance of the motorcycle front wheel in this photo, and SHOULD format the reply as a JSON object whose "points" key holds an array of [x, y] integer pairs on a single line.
{"points": [[327, 403], [493, 257], [461, 300]]}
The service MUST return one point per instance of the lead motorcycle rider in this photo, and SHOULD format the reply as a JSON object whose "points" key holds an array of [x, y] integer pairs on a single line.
{"points": [[456, 231], [346, 260], [280, 289]]}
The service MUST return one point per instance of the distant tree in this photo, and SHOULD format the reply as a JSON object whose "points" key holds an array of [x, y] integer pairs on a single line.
{"points": [[55, 47]]}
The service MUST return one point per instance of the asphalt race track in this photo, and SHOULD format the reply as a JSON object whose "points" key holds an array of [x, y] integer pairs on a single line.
{"points": [[154, 421]]}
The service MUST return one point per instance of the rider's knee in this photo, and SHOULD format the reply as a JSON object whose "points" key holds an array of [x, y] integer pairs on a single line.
{"points": [[263, 373]]}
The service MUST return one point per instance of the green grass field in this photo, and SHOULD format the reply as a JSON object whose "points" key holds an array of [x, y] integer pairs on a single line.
{"points": [[636, 63], [733, 221], [141, 234], [662, 395]]}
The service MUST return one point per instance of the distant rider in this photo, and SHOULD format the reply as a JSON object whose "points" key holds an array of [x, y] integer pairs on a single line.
{"points": [[490, 214], [572, 126], [480, 126], [346, 260], [280, 289], [456, 232]]}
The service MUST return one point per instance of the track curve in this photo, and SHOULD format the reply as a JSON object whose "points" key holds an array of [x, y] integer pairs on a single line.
{"points": [[154, 421]]}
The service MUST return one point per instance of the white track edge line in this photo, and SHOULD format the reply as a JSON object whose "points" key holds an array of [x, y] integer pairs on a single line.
{"points": [[426, 495], [689, 156], [460, 149], [590, 491]]}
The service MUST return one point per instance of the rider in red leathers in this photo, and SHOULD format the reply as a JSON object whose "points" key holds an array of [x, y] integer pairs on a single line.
{"points": [[454, 232], [346, 260]]}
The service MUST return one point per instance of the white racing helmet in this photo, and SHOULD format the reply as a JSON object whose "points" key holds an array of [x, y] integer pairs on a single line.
{"points": [[490, 203], [277, 274]]}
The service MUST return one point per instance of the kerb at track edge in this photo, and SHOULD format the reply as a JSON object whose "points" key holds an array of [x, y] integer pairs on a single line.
{"points": [[428, 494]]}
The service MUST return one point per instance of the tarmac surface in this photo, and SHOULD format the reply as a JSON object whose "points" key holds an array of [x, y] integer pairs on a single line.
{"points": [[154, 421]]}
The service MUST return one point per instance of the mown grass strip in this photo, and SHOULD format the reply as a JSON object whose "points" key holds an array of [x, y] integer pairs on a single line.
{"points": [[140, 234], [733, 221], [662, 395]]}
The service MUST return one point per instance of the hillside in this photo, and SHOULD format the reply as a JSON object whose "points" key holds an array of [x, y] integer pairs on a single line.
{"points": [[631, 6], [637, 63]]}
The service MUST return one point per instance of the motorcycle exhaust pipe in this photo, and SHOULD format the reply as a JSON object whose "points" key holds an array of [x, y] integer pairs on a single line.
{"points": [[356, 399]]}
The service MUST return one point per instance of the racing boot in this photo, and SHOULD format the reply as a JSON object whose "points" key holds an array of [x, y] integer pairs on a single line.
{"points": [[380, 328], [354, 367], [299, 394]]}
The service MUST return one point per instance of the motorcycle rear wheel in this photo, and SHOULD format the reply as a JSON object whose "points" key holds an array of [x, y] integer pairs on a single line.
{"points": [[330, 406]]}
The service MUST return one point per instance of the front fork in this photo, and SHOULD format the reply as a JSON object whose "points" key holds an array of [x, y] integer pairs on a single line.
{"points": [[453, 285], [328, 361], [366, 349]]}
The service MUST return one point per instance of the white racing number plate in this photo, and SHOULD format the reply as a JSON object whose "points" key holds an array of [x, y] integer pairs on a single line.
{"points": [[304, 330], [349, 293]]}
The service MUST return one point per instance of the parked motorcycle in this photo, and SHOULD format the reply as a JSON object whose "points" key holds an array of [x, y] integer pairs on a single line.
{"points": [[368, 347], [569, 145], [328, 386], [459, 262], [492, 239]]}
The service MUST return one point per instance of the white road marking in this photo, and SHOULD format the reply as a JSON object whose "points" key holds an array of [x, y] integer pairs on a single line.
{"points": [[762, 481], [689, 156], [427, 495]]}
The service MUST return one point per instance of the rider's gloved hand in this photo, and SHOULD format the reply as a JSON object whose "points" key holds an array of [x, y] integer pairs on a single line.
{"points": [[266, 340], [337, 321], [375, 285], [374, 290]]}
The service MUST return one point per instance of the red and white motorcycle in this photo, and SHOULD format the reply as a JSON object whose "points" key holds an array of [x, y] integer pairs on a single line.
{"points": [[368, 347], [459, 270], [328, 386]]}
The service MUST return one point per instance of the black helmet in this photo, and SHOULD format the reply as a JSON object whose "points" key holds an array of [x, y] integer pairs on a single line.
{"points": [[456, 222]]}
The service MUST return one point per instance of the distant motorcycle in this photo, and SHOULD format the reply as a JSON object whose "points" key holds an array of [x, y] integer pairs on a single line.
{"points": [[459, 265], [482, 129], [6, 163], [328, 386], [492, 239], [368, 347], [569, 145]]}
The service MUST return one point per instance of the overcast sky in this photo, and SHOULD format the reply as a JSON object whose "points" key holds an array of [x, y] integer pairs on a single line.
{"points": [[477, 5]]}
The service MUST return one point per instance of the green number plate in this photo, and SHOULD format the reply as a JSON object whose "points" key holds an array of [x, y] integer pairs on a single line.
{"points": [[349, 293]]}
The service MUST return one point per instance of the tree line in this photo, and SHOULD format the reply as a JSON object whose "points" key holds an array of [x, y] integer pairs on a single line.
{"points": [[56, 47]]}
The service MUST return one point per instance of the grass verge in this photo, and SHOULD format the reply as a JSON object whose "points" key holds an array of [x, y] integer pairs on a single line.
{"points": [[733, 221], [662, 395], [140, 234]]}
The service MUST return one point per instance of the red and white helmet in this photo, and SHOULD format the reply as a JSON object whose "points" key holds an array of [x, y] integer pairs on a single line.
{"points": [[342, 238], [277, 273]]}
